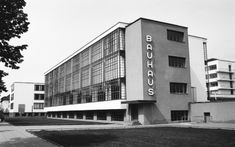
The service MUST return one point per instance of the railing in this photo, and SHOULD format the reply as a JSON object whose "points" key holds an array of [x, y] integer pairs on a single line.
{"points": [[225, 70]]}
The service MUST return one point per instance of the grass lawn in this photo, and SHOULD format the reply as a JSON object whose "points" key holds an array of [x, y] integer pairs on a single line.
{"points": [[141, 137], [40, 121]]}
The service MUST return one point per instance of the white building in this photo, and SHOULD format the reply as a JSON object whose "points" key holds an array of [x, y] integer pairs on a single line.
{"points": [[221, 78], [197, 57], [133, 71], [27, 99]]}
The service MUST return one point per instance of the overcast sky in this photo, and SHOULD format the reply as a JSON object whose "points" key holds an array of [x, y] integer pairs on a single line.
{"points": [[60, 27]]}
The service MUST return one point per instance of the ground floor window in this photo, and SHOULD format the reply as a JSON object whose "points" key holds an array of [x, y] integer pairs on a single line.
{"points": [[101, 115], [64, 115], [177, 115], [79, 115], [71, 115], [117, 115], [58, 115], [89, 115]]}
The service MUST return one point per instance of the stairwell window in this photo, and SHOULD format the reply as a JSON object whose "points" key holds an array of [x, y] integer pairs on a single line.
{"points": [[173, 35], [178, 62], [178, 88]]}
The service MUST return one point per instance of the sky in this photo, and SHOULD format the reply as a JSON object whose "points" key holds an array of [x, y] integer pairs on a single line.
{"points": [[60, 27]]}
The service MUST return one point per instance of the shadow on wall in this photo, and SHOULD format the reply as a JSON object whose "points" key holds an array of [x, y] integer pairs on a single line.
{"points": [[154, 116]]}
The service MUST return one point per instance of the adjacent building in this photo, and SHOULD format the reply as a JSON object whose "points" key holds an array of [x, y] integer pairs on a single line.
{"points": [[220, 79], [132, 72], [27, 99]]}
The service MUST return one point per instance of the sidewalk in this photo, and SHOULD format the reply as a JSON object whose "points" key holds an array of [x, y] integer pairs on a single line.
{"points": [[12, 136]]}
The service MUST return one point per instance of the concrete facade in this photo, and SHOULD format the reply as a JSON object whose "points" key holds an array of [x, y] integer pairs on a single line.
{"points": [[23, 101], [213, 111], [159, 112]]}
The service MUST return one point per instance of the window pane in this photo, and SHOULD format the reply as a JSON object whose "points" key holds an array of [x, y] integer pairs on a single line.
{"points": [[175, 35]]}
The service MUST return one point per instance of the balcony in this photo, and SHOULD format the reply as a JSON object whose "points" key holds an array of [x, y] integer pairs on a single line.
{"points": [[225, 70], [225, 79], [222, 96], [226, 88]]}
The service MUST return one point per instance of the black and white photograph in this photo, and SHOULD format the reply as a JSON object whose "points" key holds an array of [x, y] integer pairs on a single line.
{"points": [[117, 73]]}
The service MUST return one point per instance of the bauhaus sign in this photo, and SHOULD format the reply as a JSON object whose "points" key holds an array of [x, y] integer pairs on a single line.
{"points": [[149, 64]]}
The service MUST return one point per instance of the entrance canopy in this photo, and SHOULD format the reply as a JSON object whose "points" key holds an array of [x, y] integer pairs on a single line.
{"points": [[139, 102]]}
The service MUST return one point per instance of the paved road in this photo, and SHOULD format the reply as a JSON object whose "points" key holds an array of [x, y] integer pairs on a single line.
{"points": [[17, 136]]}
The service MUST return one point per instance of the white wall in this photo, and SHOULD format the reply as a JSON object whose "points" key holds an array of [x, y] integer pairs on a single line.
{"points": [[219, 111], [197, 67], [104, 105]]}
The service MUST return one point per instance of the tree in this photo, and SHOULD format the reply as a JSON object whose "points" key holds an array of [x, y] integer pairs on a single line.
{"points": [[13, 23]]}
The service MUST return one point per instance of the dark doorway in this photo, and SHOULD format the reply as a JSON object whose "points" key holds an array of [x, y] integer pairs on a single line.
{"points": [[134, 112], [207, 116]]}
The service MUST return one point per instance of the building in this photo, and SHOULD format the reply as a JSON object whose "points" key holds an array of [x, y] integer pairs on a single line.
{"points": [[132, 72], [220, 79], [197, 56], [27, 99], [4, 105]]}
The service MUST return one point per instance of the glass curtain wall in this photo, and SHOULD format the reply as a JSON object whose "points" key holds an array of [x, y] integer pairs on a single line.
{"points": [[95, 74]]}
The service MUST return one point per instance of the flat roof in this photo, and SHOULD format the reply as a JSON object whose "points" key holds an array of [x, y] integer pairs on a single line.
{"points": [[141, 18], [197, 37], [29, 83], [214, 59], [114, 27]]}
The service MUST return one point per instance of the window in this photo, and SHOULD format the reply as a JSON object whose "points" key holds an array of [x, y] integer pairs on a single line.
{"points": [[85, 58], [38, 96], [12, 105], [101, 115], [89, 115], [86, 96], [85, 77], [68, 82], [38, 105], [111, 68], [111, 43], [12, 96], [212, 67], [175, 35], [96, 52], [76, 80], [38, 87], [79, 115], [214, 75], [112, 90], [214, 84], [178, 88], [179, 115], [98, 93], [176, 61], [97, 73], [117, 116], [12, 87]]}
